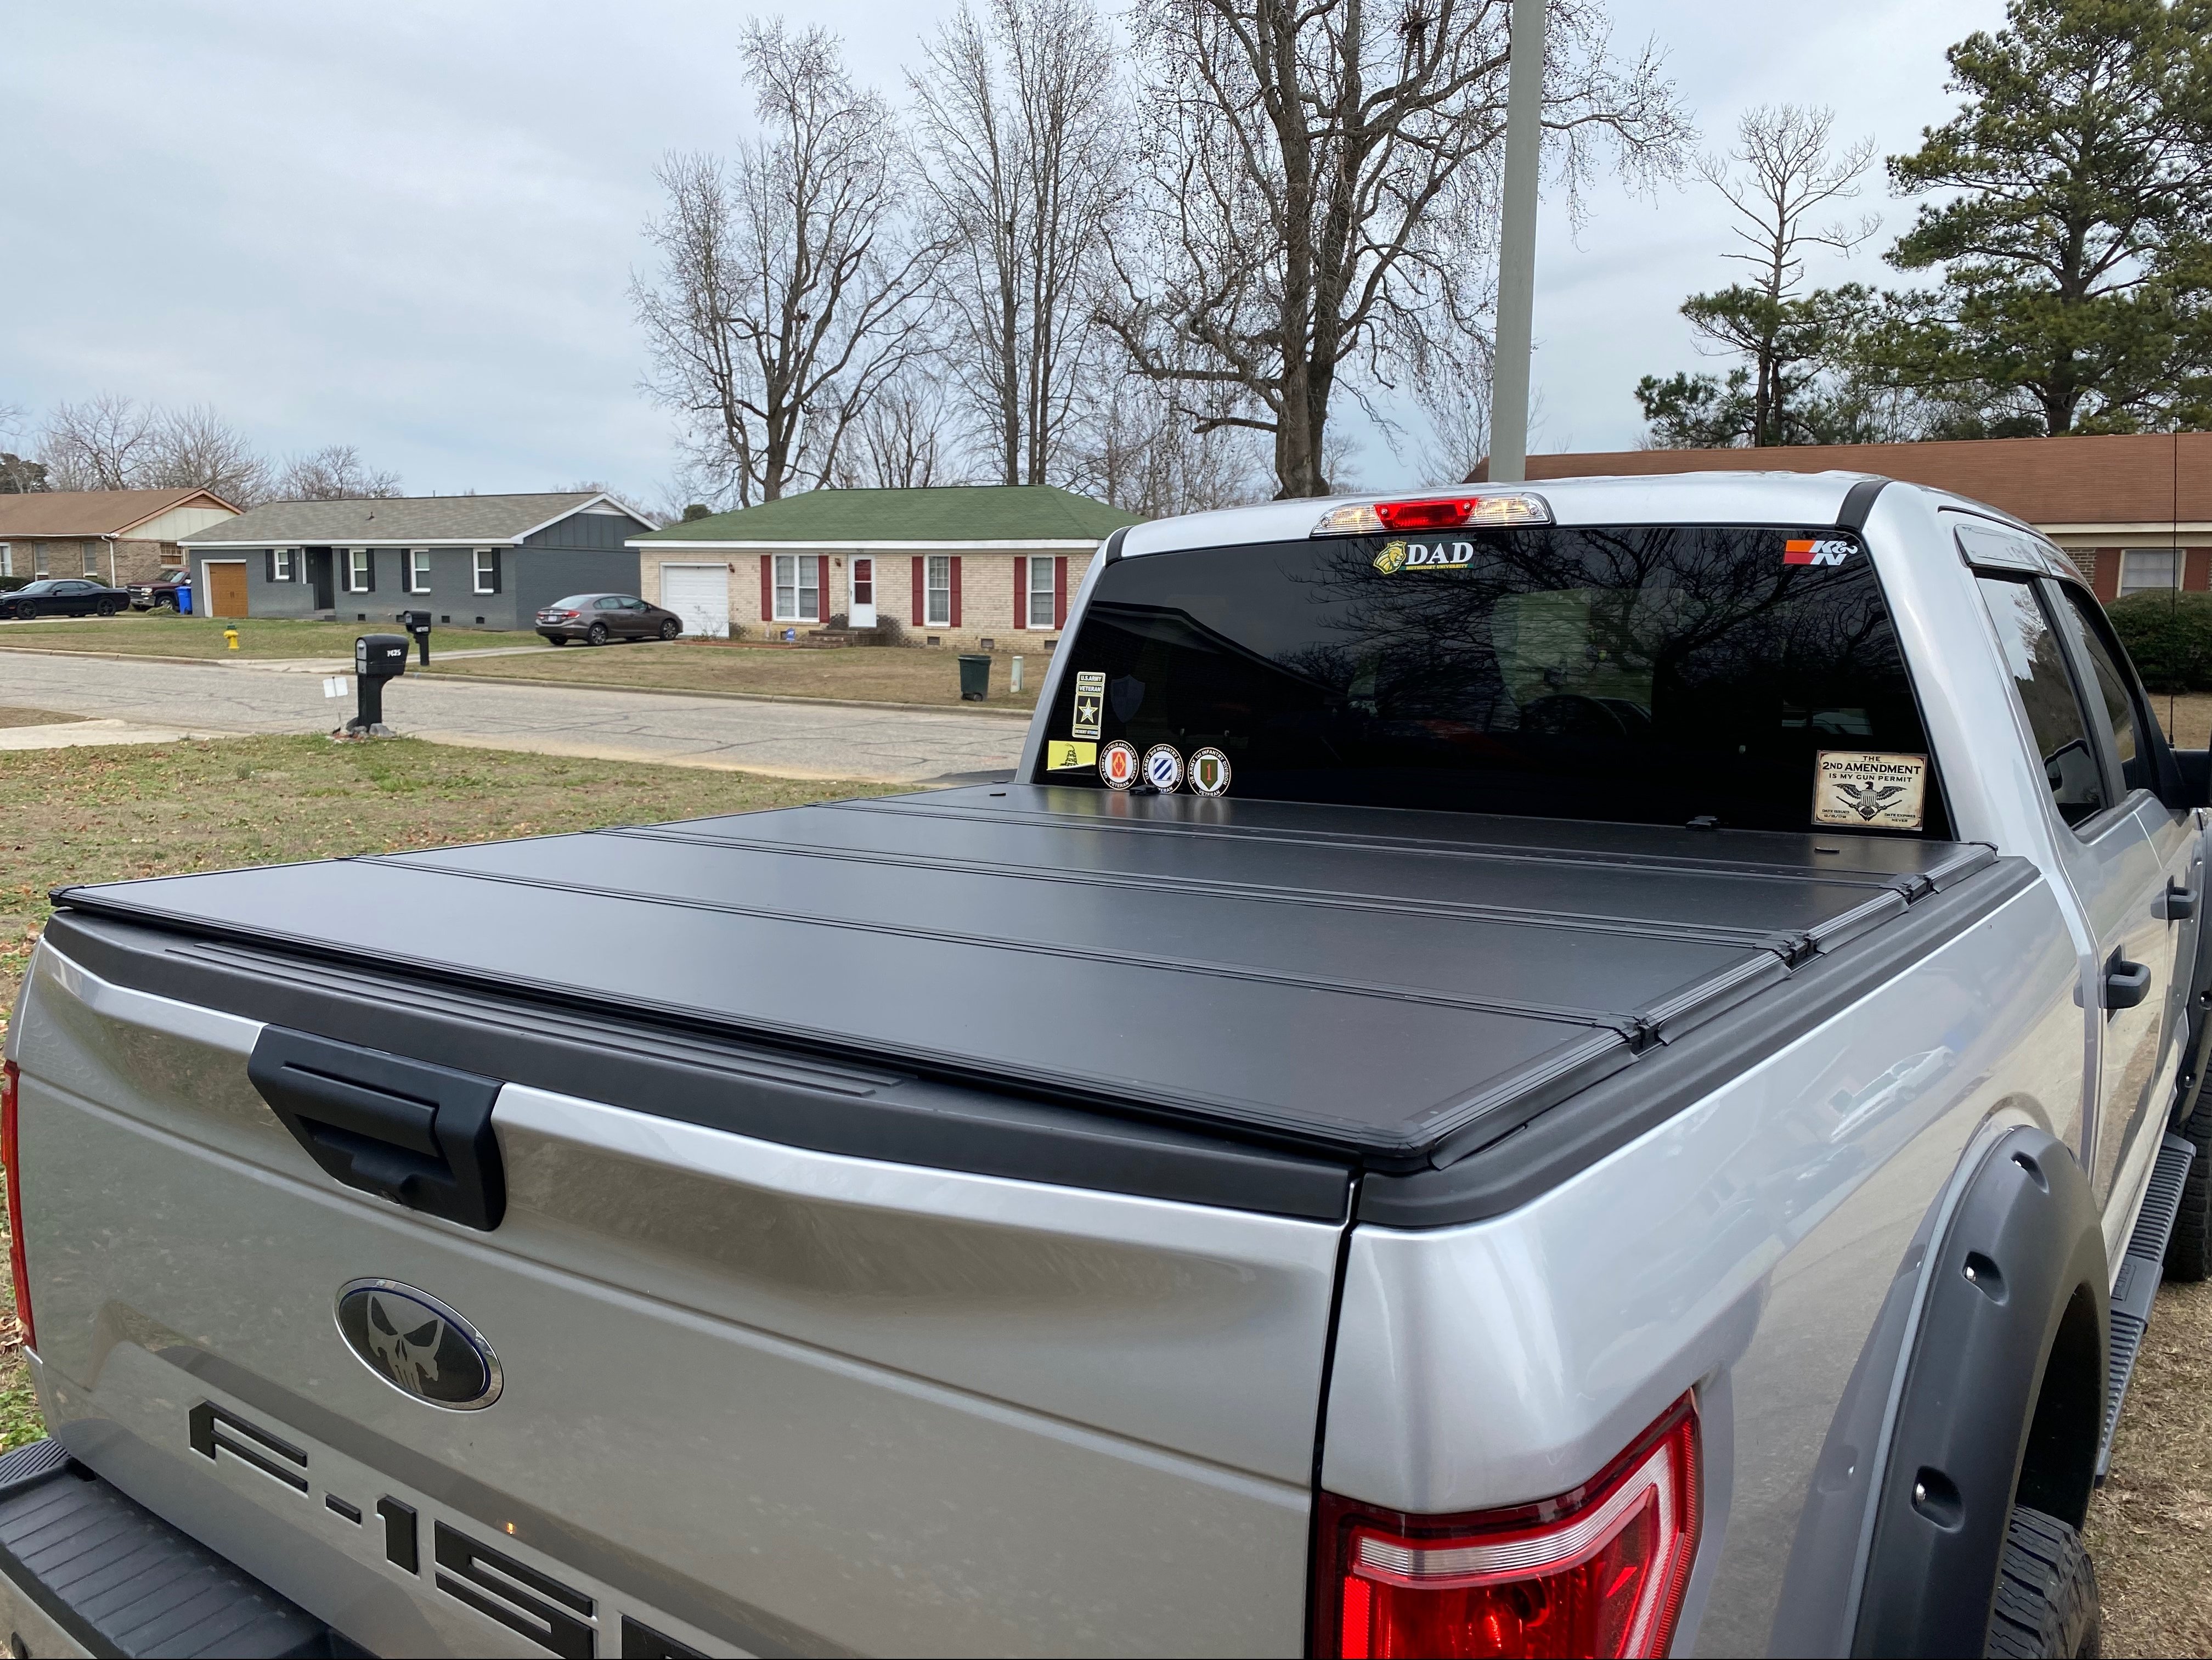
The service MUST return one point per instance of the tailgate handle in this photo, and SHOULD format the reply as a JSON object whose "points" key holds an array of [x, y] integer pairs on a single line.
{"points": [[418, 1134]]}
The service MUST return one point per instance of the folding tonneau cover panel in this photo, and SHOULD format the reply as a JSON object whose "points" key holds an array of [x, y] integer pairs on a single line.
{"points": [[1355, 983]]}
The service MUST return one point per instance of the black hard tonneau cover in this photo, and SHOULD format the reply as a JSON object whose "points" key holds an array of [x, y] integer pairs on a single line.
{"points": [[1375, 989]]}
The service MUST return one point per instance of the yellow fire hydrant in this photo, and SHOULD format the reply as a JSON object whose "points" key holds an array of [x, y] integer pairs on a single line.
{"points": [[230, 638]]}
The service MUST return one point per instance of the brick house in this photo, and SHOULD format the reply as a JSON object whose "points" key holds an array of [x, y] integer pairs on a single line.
{"points": [[115, 536], [2133, 510], [957, 565]]}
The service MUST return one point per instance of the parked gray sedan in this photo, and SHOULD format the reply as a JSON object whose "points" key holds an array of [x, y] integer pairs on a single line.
{"points": [[596, 618]]}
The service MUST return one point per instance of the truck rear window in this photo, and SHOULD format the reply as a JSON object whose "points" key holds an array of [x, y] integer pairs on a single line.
{"points": [[1749, 676]]}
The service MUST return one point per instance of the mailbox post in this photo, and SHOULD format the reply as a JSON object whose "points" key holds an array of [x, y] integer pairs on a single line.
{"points": [[417, 622], [377, 658]]}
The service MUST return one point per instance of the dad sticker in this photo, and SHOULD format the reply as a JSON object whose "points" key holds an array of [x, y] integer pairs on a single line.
{"points": [[1868, 790], [1064, 754], [1209, 771], [1090, 698], [1164, 767], [1117, 765]]}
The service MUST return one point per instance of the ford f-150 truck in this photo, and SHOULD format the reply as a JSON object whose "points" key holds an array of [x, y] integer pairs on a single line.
{"points": [[1600, 1069]]}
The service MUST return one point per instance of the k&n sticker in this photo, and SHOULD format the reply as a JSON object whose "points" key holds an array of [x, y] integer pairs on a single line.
{"points": [[1815, 551], [1868, 790], [1090, 700]]}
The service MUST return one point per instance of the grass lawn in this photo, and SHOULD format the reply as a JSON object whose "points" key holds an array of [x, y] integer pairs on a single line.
{"points": [[99, 815], [868, 674], [165, 634]]}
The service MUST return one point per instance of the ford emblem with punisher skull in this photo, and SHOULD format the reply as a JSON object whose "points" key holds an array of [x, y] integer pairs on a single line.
{"points": [[417, 1345]]}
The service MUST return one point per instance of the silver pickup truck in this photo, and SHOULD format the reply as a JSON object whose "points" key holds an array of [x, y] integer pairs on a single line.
{"points": [[1603, 1069]]}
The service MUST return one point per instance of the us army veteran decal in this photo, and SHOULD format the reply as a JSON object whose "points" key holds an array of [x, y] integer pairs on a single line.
{"points": [[1867, 790], [1090, 699]]}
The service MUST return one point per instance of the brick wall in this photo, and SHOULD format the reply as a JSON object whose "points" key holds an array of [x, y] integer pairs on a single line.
{"points": [[984, 588]]}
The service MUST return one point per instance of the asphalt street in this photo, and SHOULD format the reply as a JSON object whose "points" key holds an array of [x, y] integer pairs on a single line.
{"points": [[795, 740]]}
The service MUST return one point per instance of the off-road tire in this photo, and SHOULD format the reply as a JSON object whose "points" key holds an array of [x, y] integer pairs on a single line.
{"points": [[2046, 1601], [2189, 1247]]}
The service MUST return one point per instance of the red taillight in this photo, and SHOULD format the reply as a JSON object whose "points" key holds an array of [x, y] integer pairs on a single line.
{"points": [[11, 1157], [1599, 1571], [1447, 512]]}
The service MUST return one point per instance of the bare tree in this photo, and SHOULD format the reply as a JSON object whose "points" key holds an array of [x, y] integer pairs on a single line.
{"points": [[335, 473], [784, 301], [1320, 187], [103, 443], [1147, 455], [195, 448], [18, 476], [1021, 145], [898, 442], [1782, 172]]}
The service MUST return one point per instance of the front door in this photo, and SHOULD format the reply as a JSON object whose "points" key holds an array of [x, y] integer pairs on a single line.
{"points": [[319, 575], [861, 613], [2145, 935], [226, 588]]}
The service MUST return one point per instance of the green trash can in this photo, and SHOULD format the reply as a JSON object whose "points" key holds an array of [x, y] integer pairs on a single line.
{"points": [[974, 676]]}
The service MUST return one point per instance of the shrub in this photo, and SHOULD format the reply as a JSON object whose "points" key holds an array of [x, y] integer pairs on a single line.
{"points": [[2169, 636]]}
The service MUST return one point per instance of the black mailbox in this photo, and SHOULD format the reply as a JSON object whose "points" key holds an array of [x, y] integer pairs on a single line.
{"points": [[417, 622], [377, 658]]}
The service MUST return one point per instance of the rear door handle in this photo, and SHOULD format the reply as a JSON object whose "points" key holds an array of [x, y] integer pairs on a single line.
{"points": [[2126, 983], [418, 1134], [2180, 900]]}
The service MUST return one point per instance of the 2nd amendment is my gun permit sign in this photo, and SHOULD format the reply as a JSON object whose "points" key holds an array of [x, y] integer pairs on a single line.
{"points": [[1868, 790]]}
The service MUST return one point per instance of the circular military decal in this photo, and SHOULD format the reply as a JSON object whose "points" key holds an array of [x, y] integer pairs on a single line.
{"points": [[1209, 771], [1164, 767], [1117, 765]]}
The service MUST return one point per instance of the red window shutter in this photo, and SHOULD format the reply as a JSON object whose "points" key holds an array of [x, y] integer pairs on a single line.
{"points": [[820, 587], [1021, 593], [1060, 592], [921, 615], [955, 592], [767, 588]]}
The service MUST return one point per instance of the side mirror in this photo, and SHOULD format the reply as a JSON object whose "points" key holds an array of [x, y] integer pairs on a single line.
{"points": [[2195, 769]]}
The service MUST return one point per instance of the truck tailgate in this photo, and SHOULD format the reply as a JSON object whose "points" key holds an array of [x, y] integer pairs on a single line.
{"points": [[752, 1396]]}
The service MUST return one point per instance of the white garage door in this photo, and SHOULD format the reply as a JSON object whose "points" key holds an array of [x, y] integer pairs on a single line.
{"points": [[700, 594]]}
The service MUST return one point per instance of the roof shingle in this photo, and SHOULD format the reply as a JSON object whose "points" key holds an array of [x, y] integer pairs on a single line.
{"points": [[392, 519], [89, 512], [941, 513]]}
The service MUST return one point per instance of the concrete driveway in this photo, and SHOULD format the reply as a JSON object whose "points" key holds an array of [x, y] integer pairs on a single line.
{"points": [[796, 740]]}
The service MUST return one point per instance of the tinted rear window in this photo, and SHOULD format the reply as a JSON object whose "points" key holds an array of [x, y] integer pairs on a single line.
{"points": [[1644, 674]]}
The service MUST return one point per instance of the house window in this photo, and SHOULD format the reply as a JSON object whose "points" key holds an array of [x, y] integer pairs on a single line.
{"points": [[39, 558], [6, 560], [1044, 595], [797, 588], [937, 591], [2143, 569], [487, 570], [418, 571], [361, 571], [91, 550], [280, 569]]}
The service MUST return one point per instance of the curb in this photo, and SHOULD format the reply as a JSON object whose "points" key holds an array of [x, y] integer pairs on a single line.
{"points": [[733, 697]]}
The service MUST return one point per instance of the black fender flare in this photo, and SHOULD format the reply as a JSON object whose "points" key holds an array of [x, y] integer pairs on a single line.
{"points": [[2019, 1266]]}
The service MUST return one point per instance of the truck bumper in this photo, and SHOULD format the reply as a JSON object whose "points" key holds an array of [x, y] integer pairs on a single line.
{"points": [[85, 1570]]}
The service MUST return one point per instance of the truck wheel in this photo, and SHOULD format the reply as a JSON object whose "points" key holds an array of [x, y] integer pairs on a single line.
{"points": [[2046, 1601], [2189, 1247]]}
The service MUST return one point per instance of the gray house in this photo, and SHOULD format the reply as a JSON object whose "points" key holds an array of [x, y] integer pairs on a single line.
{"points": [[484, 562]]}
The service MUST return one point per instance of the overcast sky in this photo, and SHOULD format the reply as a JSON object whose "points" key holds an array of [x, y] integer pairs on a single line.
{"points": [[409, 227]]}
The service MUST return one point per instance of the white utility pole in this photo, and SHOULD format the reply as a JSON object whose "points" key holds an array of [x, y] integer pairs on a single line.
{"points": [[1516, 246]]}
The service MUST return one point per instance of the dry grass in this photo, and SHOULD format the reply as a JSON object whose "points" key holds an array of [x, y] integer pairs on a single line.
{"points": [[23, 717], [2150, 1529], [867, 674], [165, 634], [2187, 718], [100, 815]]}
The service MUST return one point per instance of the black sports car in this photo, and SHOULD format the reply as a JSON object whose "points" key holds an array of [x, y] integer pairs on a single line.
{"points": [[63, 596]]}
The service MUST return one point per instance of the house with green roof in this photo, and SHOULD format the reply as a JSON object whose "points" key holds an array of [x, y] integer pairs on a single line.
{"points": [[954, 565]]}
